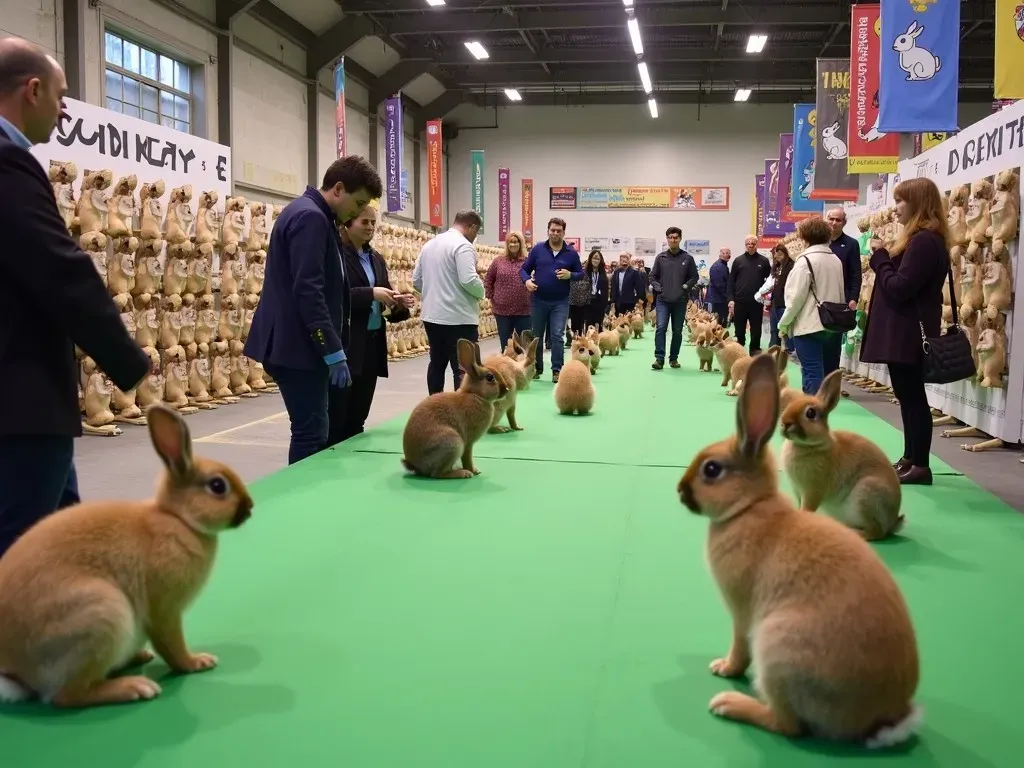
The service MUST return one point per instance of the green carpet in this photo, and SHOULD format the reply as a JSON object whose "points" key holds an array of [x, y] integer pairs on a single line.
{"points": [[549, 613]]}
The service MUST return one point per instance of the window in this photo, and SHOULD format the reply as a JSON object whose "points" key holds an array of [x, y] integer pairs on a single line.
{"points": [[147, 84]]}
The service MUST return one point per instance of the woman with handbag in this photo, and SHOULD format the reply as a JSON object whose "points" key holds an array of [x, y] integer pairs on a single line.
{"points": [[782, 265], [814, 286], [906, 311]]}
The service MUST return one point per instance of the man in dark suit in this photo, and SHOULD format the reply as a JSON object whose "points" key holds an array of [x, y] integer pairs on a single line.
{"points": [[300, 327], [51, 299], [627, 286]]}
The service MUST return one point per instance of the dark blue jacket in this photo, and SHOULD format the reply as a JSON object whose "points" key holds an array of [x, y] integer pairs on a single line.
{"points": [[848, 251], [718, 283], [304, 308], [632, 290], [543, 264]]}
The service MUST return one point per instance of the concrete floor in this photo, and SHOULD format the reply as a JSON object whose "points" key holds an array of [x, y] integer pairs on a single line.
{"points": [[252, 436]]}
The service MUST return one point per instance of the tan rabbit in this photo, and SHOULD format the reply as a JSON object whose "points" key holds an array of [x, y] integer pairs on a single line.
{"points": [[608, 342], [781, 359], [516, 375], [622, 328], [731, 355], [442, 429], [84, 589], [813, 607], [838, 472], [574, 392]]}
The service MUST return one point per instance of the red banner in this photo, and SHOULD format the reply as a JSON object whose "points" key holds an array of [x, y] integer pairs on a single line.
{"points": [[869, 150], [434, 197], [528, 212]]}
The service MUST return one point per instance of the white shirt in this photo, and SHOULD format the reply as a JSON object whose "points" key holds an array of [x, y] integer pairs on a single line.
{"points": [[446, 277], [801, 315]]}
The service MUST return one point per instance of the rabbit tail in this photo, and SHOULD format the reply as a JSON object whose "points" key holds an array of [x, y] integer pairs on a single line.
{"points": [[891, 735], [12, 692]]}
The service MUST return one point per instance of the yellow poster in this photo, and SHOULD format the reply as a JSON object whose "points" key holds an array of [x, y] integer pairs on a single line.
{"points": [[929, 140], [1009, 80]]}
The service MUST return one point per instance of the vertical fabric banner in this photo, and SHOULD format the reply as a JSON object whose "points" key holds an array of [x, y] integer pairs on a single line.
{"points": [[476, 182], [787, 216], [434, 172], [871, 151], [773, 226], [504, 204], [339, 109], [1009, 83], [759, 195], [920, 66], [802, 181], [393, 138], [832, 113], [528, 212]]}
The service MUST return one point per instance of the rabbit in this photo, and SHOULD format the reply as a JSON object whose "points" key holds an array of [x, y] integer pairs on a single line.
{"points": [[574, 392], [841, 473], [84, 589], [831, 143], [517, 375], [609, 343], [813, 606], [917, 62], [444, 427]]}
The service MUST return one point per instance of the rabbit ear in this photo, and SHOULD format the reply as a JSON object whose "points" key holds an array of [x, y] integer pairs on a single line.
{"points": [[467, 356], [830, 390], [911, 28], [758, 408], [917, 31], [531, 352], [171, 439]]}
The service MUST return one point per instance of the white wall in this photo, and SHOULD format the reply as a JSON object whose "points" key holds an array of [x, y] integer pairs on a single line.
{"points": [[358, 124], [38, 21]]}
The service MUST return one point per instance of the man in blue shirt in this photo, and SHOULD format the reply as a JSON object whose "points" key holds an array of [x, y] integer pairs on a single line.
{"points": [[718, 287], [546, 274], [301, 323]]}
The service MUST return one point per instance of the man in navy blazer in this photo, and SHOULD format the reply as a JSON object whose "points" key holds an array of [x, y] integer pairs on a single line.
{"points": [[51, 298], [627, 286], [300, 327]]}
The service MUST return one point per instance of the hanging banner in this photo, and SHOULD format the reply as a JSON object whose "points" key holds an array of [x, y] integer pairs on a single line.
{"points": [[802, 178], [1009, 81], [871, 151], [528, 212], [755, 206], [339, 109], [787, 216], [476, 182], [925, 141], [759, 194], [435, 193], [920, 66], [773, 225], [504, 204], [832, 115], [393, 138]]}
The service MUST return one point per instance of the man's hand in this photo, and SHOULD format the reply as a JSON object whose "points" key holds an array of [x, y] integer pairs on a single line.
{"points": [[563, 274], [406, 300], [384, 296], [530, 285]]}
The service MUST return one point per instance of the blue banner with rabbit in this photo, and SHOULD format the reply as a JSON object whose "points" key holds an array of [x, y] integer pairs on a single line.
{"points": [[801, 182], [919, 66]]}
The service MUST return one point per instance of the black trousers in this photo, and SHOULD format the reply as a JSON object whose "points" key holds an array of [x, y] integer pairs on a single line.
{"points": [[348, 408], [305, 396], [595, 312], [749, 313], [444, 352], [623, 309], [578, 318], [721, 311], [908, 386]]}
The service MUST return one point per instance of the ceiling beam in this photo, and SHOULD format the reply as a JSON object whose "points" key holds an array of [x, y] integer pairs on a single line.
{"points": [[396, 78], [442, 105], [333, 43], [622, 54], [273, 17], [417, 6]]}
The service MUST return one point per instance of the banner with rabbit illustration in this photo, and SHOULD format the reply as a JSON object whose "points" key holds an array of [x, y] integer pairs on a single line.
{"points": [[759, 205], [920, 66], [774, 226], [871, 151], [801, 180], [786, 153], [1009, 49], [832, 182]]}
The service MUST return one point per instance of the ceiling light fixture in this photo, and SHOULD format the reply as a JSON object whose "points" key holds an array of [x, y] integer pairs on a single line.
{"points": [[634, 35], [756, 43], [628, 3], [742, 94], [645, 77], [513, 94], [653, 106], [477, 50], [435, 3]]}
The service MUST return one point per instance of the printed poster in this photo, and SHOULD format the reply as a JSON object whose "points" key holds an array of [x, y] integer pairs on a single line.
{"points": [[802, 179], [504, 204], [562, 198], [476, 182], [773, 224], [394, 138], [832, 113], [339, 108], [528, 211], [595, 243], [871, 151], [435, 175], [645, 249]]}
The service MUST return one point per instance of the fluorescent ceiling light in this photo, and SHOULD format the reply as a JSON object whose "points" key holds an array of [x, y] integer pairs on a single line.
{"points": [[477, 50], [653, 106], [628, 3], [513, 94], [755, 44], [435, 3], [634, 35], [645, 77], [742, 94]]}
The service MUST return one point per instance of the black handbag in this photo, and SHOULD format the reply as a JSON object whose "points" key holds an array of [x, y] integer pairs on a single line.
{"points": [[836, 317], [947, 358]]}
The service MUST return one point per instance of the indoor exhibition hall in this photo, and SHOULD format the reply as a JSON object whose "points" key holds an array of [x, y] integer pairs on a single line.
{"points": [[461, 384]]}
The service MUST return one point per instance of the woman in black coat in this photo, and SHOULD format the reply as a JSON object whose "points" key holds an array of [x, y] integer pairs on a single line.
{"points": [[907, 299], [371, 297], [596, 280]]}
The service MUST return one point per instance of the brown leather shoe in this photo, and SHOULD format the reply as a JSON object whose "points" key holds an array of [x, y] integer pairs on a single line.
{"points": [[554, 377], [916, 476], [902, 465]]}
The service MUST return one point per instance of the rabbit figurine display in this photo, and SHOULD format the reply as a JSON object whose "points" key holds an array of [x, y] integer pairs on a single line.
{"points": [[840, 473], [574, 393], [813, 606], [919, 63], [442, 429], [84, 589]]}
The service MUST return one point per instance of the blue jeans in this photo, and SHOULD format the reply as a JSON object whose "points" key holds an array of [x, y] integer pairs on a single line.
{"points": [[774, 316], [509, 323], [37, 477], [550, 315], [305, 398], [819, 356], [676, 311]]}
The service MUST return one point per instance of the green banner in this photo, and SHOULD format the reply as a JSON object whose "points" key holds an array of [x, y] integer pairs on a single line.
{"points": [[476, 182]]}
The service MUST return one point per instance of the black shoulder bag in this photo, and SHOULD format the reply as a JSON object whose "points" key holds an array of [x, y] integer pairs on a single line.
{"points": [[948, 357], [836, 317]]}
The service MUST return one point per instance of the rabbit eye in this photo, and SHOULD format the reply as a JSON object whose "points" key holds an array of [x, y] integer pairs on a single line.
{"points": [[489, 377], [217, 485], [711, 469], [811, 413]]}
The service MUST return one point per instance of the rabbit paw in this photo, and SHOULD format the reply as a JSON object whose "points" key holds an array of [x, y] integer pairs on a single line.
{"points": [[499, 430], [200, 662], [729, 704], [725, 668]]}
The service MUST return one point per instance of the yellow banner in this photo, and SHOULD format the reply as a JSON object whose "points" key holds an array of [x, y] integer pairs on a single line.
{"points": [[929, 140], [1009, 80]]}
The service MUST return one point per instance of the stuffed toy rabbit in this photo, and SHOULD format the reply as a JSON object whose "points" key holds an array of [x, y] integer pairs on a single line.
{"points": [[443, 428], [813, 607], [84, 589]]}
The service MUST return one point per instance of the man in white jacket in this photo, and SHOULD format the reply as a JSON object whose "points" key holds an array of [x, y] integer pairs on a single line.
{"points": [[446, 278]]}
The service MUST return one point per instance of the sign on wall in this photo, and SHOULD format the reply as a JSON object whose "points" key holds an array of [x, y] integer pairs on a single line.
{"points": [[690, 198], [434, 173], [528, 211], [476, 182], [504, 204], [394, 139], [574, 242], [562, 198]]}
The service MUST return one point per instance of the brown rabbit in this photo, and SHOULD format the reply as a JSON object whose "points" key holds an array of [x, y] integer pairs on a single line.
{"points": [[778, 354], [729, 353], [574, 392], [813, 607], [517, 373], [443, 428], [84, 589], [838, 472]]}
